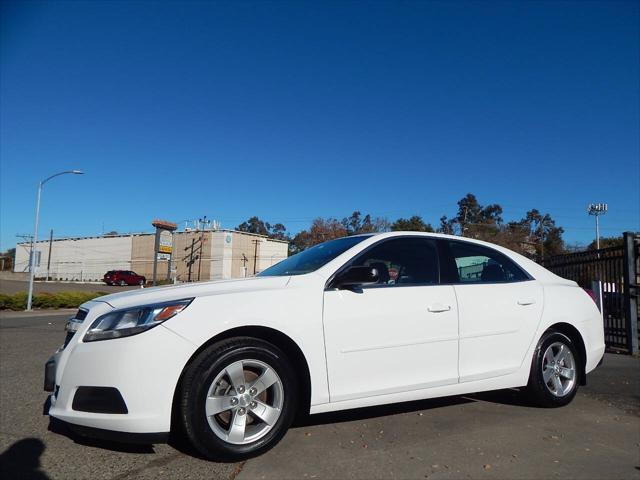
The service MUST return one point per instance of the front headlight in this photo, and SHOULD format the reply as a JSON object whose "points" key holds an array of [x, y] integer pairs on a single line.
{"points": [[131, 321]]}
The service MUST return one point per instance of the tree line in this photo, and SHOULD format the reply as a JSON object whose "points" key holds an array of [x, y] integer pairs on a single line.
{"points": [[536, 235]]}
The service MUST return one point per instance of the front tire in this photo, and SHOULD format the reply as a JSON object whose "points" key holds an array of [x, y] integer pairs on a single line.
{"points": [[554, 376], [238, 398]]}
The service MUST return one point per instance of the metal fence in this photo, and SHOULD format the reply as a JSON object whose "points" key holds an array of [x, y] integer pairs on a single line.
{"points": [[618, 271]]}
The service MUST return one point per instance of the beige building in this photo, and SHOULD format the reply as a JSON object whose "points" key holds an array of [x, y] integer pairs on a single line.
{"points": [[217, 255]]}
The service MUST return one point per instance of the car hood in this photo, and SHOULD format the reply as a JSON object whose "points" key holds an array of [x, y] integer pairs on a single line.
{"points": [[145, 296]]}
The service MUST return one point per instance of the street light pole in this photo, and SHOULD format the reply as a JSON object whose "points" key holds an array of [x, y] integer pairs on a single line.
{"points": [[597, 209], [32, 254]]}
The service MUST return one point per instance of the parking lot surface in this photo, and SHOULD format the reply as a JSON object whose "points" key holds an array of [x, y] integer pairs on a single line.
{"points": [[488, 435]]}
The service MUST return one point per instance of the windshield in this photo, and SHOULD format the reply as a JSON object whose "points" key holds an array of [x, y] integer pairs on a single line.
{"points": [[313, 258]]}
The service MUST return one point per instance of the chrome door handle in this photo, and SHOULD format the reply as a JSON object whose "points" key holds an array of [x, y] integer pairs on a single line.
{"points": [[526, 301], [438, 307]]}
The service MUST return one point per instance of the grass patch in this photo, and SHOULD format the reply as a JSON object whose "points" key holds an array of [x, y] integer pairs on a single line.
{"points": [[18, 301]]}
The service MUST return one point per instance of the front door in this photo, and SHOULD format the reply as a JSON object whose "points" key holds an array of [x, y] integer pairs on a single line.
{"points": [[398, 335]]}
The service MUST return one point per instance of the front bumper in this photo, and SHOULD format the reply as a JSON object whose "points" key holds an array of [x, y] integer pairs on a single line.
{"points": [[58, 426], [144, 369], [50, 375]]}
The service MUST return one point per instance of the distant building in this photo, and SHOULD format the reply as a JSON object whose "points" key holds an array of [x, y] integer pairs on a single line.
{"points": [[224, 254]]}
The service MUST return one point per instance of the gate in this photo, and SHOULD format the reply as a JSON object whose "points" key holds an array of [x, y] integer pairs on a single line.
{"points": [[618, 270]]}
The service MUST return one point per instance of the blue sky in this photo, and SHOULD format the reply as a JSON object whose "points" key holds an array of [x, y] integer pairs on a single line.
{"points": [[293, 110]]}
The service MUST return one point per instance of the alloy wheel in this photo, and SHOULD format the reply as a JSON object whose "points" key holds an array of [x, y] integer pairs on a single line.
{"points": [[559, 369], [244, 401]]}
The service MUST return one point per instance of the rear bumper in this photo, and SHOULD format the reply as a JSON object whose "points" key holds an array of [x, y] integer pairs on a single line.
{"points": [[595, 357]]}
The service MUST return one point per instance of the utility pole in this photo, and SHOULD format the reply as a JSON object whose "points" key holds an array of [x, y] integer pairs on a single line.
{"points": [[244, 265], [202, 240], [191, 259], [49, 256], [255, 256], [194, 255], [597, 209]]}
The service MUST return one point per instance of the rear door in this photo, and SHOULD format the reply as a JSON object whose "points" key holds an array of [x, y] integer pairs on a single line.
{"points": [[500, 308], [398, 335]]}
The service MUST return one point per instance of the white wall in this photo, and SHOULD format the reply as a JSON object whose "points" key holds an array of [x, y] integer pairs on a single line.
{"points": [[221, 255], [85, 259], [88, 259], [270, 253]]}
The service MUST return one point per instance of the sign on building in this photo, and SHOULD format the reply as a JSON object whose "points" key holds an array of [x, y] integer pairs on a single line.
{"points": [[163, 245], [166, 242]]}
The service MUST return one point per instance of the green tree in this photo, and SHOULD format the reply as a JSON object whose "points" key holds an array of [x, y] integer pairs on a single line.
{"points": [[254, 225], [542, 234], [536, 235], [279, 232], [356, 224], [477, 221], [447, 226], [606, 242], [412, 224]]}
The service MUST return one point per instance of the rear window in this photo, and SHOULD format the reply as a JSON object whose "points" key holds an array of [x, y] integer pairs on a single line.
{"points": [[478, 264]]}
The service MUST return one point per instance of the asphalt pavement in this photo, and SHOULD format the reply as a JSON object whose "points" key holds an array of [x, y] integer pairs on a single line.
{"points": [[488, 435]]}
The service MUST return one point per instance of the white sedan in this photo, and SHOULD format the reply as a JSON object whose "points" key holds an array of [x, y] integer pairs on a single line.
{"points": [[353, 322]]}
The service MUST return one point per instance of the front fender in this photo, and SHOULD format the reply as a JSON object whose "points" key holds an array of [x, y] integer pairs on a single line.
{"points": [[295, 312]]}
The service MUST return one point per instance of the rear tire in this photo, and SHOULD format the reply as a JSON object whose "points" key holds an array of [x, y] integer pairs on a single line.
{"points": [[555, 371], [238, 397]]}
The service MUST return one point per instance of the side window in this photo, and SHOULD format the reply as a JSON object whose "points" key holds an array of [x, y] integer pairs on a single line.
{"points": [[478, 264], [403, 261]]}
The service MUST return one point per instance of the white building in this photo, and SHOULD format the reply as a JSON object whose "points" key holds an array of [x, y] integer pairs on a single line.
{"points": [[221, 254]]}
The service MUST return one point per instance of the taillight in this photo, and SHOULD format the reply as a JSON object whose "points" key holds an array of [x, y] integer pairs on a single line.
{"points": [[592, 294]]}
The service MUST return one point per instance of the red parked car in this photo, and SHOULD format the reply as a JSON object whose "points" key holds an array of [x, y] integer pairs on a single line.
{"points": [[123, 277]]}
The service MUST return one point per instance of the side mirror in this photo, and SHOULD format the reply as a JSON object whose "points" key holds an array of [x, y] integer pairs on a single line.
{"points": [[355, 276]]}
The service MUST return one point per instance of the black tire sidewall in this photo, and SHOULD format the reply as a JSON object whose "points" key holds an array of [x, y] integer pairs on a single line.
{"points": [[201, 374], [537, 386]]}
